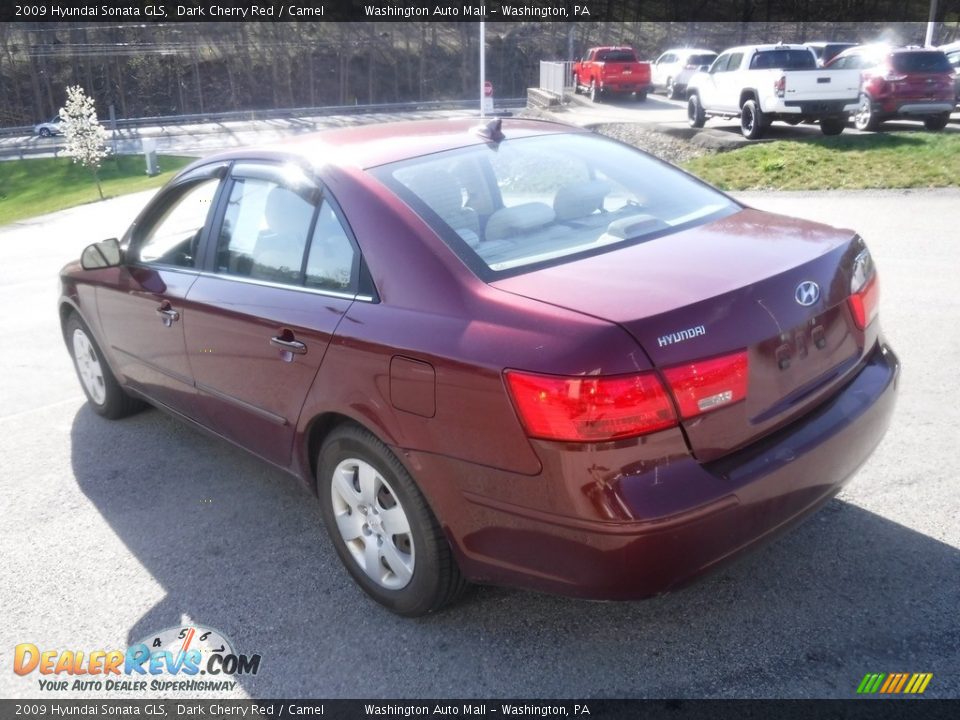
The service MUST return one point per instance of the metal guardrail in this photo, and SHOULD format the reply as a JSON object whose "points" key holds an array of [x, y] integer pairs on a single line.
{"points": [[556, 77], [285, 113]]}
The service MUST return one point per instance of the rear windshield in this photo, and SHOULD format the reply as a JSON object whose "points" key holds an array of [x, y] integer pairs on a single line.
{"points": [[931, 62], [616, 56], [530, 202], [831, 51], [702, 59], [783, 60]]}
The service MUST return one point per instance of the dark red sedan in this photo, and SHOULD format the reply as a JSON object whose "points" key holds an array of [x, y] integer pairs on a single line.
{"points": [[519, 354]]}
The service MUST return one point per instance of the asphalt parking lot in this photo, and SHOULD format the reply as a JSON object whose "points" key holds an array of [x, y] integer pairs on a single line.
{"points": [[114, 530]]}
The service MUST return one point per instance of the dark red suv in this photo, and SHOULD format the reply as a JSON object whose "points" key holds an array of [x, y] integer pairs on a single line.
{"points": [[900, 82]]}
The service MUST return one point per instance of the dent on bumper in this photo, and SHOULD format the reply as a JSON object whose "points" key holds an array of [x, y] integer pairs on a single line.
{"points": [[676, 520]]}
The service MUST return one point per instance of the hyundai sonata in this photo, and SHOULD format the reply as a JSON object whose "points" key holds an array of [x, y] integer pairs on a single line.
{"points": [[501, 352]]}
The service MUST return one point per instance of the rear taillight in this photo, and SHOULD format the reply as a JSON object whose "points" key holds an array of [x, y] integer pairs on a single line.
{"points": [[864, 304], [590, 409], [780, 86], [707, 385], [864, 297]]}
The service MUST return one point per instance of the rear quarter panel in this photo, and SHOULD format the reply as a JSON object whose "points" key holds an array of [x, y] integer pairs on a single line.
{"points": [[434, 310]]}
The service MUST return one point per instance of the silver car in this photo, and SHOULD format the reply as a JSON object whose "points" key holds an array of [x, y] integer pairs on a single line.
{"points": [[54, 126]]}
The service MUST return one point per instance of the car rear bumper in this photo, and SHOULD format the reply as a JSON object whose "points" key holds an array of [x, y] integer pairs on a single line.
{"points": [[664, 522], [893, 105], [820, 107], [925, 108], [625, 87]]}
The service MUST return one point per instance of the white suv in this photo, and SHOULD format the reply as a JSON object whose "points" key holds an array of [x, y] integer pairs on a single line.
{"points": [[673, 68]]}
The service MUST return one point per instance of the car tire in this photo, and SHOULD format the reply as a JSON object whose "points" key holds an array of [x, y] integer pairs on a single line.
{"points": [[99, 384], [833, 126], [936, 122], [865, 118], [594, 92], [45, 132], [696, 117], [671, 90], [641, 96], [381, 526], [752, 122]]}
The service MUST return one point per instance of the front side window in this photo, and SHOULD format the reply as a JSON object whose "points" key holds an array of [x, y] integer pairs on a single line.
{"points": [[523, 203], [173, 237], [720, 64]]}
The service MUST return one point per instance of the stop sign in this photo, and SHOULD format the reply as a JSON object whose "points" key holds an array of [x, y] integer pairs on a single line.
{"points": [[488, 89]]}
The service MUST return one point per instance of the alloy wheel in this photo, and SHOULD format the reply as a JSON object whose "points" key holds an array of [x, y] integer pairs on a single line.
{"points": [[88, 367], [373, 524]]}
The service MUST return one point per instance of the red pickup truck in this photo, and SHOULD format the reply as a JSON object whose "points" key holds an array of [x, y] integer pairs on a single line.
{"points": [[612, 70]]}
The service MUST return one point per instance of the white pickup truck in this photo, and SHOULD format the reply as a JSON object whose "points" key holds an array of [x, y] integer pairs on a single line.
{"points": [[763, 83]]}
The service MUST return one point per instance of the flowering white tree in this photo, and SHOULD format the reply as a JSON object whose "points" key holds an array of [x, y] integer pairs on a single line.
{"points": [[86, 138]]}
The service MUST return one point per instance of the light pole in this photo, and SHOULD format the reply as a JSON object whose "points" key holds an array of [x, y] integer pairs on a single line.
{"points": [[483, 65], [928, 41]]}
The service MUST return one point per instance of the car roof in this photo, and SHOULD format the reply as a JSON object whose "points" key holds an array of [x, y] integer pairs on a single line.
{"points": [[767, 47], [879, 49], [689, 51], [365, 146]]}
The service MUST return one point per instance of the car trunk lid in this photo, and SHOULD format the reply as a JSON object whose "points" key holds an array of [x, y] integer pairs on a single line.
{"points": [[733, 286]]}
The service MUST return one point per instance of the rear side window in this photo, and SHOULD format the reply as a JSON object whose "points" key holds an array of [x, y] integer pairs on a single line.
{"points": [[783, 60], [920, 62], [264, 233], [509, 207]]}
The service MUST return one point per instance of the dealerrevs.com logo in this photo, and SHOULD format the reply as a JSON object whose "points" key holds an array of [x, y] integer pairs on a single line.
{"points": [[191, 658]]}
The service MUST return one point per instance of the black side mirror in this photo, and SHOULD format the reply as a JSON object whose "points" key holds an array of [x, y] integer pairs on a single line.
{"points": [[103, 254]]}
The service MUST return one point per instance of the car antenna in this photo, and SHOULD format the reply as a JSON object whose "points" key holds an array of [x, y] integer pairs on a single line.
{"points": [[491, 130]]}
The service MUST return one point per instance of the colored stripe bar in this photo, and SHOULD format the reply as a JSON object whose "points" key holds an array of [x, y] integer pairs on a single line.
{"points": [[891, 680], [914, 682], [875, 685], [862, 687], [903, 680], [926, 681]]}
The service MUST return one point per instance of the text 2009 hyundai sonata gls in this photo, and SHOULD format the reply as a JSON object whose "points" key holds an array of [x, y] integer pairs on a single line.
{"points": [[523, 355]]}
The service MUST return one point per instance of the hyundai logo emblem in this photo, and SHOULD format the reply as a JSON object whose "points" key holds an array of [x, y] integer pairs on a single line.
{"points": [[808, 292]]}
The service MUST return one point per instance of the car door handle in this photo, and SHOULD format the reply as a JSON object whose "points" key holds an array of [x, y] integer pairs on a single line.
{"points": [[294, 346], [167, 314]]}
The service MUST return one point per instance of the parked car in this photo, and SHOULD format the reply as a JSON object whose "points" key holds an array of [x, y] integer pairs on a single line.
{"points": [[605, 71], [827, 51], [952, 52], [763, 83], [515, 353], [53, 126], [674, 68], [912, 83]]}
